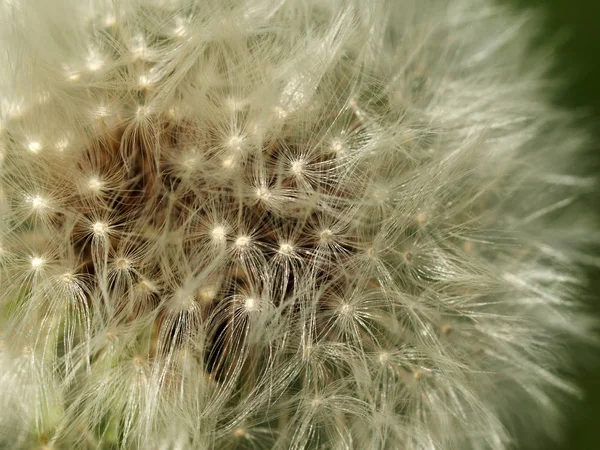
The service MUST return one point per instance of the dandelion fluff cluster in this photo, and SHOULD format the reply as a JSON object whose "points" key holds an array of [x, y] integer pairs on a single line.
{"points": [[287, 224]]}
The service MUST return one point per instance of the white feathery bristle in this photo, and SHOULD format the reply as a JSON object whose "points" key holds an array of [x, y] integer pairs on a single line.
{"points": [[284, 224]]}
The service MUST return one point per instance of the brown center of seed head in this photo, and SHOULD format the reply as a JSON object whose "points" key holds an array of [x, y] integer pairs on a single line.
{"points": [[165, 194]]}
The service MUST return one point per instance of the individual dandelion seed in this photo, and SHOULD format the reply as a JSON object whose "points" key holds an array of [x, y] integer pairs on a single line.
{"points": [[295, 224]]}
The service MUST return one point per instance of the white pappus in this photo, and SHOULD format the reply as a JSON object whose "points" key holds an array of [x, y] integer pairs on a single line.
{"points": [[283, 224]]}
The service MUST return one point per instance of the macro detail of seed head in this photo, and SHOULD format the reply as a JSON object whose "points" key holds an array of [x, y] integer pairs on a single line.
{"points": [[282, 224]]}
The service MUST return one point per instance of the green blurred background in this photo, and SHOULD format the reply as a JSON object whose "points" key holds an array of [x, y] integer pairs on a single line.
{"points": [[575, 24]]}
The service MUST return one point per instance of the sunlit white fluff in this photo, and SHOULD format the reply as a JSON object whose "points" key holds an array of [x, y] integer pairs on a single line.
{"points": [[287, 224]]}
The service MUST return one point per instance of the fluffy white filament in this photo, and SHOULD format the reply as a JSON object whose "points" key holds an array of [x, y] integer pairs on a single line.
{"points": [[281, 224]]}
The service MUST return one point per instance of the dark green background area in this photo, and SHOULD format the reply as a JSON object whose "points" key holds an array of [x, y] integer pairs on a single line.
{"points": [[579, 56], [575, 24]]}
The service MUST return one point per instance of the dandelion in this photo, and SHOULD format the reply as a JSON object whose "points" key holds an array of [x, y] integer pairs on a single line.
{"points": [[294, 224]]}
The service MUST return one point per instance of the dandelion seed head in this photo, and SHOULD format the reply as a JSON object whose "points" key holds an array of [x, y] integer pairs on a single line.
{"points": [[180, 30], [37, 262], [346, 309], [95, 184], [100, 228], [139, 364], [68, 278], [284, 224], [280, 113], [285, 248], [316, 403], [101, 111], [242, 241], [13, 109], [146, 286], [219, 233], [326, 236], [138, 47], [144, 81], [235, 142], [110, 20], [73, 75], [384, 358], [43, 97], [228, 162], [337, 146], [94, 61], [297, 167], [250, 304], [208, 293], [142, 112], [380, 195], [371, 252], [37, 202], [34, 146], [262, 194], [183, 301], [123, 263], [235, 104], [62, 144]]}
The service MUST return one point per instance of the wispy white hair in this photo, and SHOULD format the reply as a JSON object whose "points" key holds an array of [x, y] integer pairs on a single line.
{"points": [[287, 224]]}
